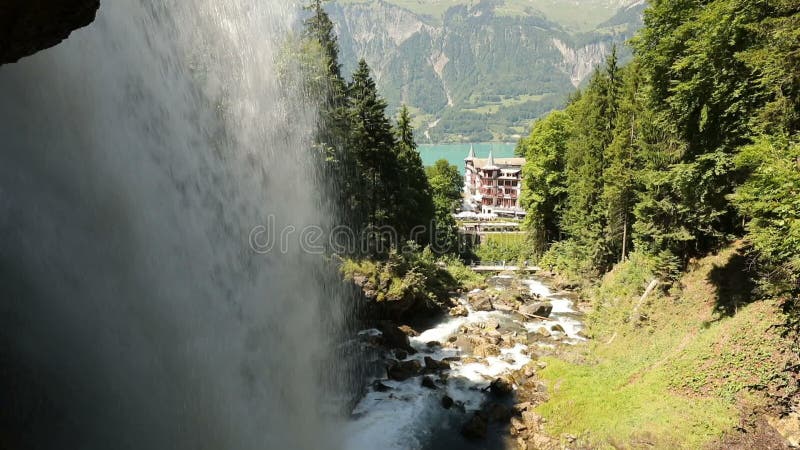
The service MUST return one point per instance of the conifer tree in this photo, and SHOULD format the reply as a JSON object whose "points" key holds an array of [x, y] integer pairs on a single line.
{"points": [[619, 175], [414, 210], [372, 144]]}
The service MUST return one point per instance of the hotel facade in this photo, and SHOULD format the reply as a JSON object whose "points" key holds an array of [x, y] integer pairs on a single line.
{"points": [[493, 185]]}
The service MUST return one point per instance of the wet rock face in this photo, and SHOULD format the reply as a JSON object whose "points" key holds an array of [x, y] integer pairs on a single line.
{"points": [[502, 387], [447, 402], [27, 26], [403, 370], [434, 366], [476, 427], [393, 337], [427, 382]]}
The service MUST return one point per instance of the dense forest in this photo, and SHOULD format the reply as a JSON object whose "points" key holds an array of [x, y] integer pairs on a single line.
{"points": [[372, 162], [668, 192], [690, 146]]}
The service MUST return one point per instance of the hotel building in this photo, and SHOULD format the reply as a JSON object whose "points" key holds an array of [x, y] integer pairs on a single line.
{"points": [[493, 186]]}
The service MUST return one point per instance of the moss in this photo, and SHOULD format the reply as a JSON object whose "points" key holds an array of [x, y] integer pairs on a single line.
{"points": [[411, 275]]}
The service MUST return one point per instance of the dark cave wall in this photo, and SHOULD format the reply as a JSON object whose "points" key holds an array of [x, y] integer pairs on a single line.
{"points": [[27, 26]]}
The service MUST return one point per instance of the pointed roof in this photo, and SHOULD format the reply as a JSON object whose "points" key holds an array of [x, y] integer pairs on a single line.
{"points": [[490, 163], [471, 155]]}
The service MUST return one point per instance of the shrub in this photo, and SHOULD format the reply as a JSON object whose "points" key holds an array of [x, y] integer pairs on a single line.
{"points": [[512, 248]]}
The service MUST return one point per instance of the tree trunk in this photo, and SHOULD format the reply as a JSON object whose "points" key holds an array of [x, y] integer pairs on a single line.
{"points": [[624, 237]]}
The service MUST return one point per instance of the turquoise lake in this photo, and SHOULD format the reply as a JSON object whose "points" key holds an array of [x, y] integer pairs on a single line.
{"points": [[455, 153]]}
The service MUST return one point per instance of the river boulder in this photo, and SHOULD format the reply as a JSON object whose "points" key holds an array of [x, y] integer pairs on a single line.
{"points": [[544, 332], [490, 325], [501, 387], [403, 370], [408, 331], [447, 402], [427, 382], [481, 301], [476, 426], [539, 309], [486, 350], [380, 387], [394, 338], [497, 412], [432, 365], [459, 311]]}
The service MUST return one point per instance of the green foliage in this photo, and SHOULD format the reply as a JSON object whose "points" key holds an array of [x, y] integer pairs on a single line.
{"points": [[415, 200], [466, 278], [446, 183], [320, 29], [512, 248], [770, 200], [697, 145], [544, 190], [620, 157], [775, 58], [584, 217], [371, 143], [570, 260], [651, 154], [412, 274], [408, 275]]}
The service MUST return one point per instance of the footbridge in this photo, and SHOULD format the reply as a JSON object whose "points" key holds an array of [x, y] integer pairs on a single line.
{"points": [[502, 266]]}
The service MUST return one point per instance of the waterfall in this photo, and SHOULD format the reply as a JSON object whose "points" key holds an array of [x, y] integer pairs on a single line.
{"points": [[137, 156]]}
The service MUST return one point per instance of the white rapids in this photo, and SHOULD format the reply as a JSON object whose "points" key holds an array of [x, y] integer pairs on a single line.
{"points": [[404, 417]]}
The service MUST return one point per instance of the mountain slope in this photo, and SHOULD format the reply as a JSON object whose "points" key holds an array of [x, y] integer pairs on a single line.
{"points": [[477, 72]]}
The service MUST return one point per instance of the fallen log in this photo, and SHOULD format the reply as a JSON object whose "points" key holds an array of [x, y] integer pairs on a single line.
{"points": [[532, 316]]}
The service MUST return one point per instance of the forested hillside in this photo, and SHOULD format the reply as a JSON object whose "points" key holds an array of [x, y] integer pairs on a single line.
{"points": [[690, 145], [479, 71], [681, 171]]}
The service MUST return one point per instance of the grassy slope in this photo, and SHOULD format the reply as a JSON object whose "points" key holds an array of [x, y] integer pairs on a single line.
{"points": [[589, 14], [669, 376]]}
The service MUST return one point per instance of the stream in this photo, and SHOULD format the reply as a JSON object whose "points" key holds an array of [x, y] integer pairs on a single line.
{"points": [[409, 416]]}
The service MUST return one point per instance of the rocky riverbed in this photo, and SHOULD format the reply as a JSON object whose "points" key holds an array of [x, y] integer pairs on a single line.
{"points": [[470, 380]]}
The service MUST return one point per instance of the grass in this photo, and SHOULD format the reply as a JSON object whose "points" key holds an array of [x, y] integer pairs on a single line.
{"points": [[511, 248], [669, 374], [419, 118], [467, 278], [495, 107], [599, 400], [433, 9]]}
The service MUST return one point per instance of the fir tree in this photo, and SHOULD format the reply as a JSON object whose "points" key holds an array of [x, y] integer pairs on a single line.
{"points": [[415, 209], [372, 145]]}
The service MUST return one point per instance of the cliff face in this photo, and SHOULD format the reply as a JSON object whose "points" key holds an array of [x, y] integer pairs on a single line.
{"points": [[27, 26], [474, 74], [578, 63]]}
